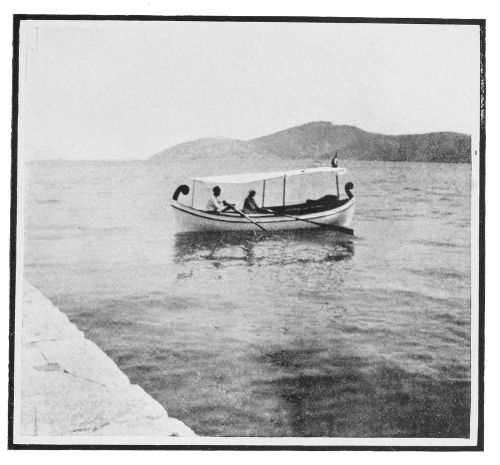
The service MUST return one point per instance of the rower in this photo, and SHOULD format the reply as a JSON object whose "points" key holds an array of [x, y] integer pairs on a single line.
{"points": [[215, 204]]}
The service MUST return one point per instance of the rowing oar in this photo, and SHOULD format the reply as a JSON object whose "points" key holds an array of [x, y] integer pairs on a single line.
{"points": [[321, 225], [247, 217]]}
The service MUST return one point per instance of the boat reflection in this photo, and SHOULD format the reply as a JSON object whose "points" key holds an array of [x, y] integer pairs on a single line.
{"points": [[253, 248]]}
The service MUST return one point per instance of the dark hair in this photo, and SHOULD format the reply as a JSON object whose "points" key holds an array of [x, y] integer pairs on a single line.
{"points": [[216, 189], [251, 193]]}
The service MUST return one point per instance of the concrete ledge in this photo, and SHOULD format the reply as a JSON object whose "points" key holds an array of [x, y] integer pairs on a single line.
{"points": [[71, 387]]}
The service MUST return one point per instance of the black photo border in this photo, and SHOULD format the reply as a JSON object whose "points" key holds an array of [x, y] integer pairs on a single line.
{"points": [[18, 18]]}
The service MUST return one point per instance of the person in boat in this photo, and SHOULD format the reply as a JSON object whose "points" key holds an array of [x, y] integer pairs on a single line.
{"points": [[335, 161], [250, 206], [215, 203]]}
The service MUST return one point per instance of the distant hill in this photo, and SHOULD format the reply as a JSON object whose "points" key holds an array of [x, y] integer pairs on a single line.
{"points": [[210, 147], [216, 156], [320, 139]]}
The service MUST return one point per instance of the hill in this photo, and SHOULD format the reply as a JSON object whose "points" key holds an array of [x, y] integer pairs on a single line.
{"points": [[210, 147], [216, 156], [320, 139]]}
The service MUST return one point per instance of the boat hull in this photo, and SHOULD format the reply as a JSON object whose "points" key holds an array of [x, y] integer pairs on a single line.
{"points": [[191, 219]]}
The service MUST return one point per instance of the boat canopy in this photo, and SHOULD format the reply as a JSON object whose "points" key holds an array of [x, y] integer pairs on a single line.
{"points": [[245, 178]]}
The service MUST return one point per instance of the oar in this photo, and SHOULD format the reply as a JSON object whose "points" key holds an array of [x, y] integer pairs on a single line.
{"points": [[247, 217], [321, 225]]}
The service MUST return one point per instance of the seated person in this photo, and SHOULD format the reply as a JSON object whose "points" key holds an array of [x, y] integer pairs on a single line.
{"points": [[250, 206], [215, 204]]}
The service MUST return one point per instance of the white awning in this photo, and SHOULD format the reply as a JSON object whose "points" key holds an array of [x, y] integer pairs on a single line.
{"points": [[245, 178]]}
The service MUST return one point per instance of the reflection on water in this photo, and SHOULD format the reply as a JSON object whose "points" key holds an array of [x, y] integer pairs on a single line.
{"points": [[331, 392], [228, 246]]}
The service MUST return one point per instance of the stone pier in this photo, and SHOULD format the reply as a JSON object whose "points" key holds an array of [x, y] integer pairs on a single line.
{"points": [[71, 387]]}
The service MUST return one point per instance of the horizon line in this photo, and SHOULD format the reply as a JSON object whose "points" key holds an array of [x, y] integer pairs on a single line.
{"points": [[148, 157]]}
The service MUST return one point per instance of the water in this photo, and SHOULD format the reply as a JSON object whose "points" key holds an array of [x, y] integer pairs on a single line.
{"points": [[304, 334]]}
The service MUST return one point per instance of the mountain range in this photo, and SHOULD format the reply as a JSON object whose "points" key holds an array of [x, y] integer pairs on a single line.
{"points": [[320, 140]]}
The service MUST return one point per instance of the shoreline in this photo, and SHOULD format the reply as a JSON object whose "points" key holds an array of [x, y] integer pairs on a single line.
{"points": [[70, 387]]}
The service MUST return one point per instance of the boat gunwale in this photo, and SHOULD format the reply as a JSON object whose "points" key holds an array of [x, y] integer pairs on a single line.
{"points": [[236, 218]]}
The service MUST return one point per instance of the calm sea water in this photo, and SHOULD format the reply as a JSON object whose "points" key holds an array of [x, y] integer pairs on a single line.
{"points": [[304, 334]]}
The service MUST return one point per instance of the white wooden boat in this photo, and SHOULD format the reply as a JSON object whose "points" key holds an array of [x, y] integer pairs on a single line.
{"points": [[328, 211]]}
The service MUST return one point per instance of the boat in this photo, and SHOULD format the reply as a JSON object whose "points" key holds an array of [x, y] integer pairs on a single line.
{"points": [[329, 211]]}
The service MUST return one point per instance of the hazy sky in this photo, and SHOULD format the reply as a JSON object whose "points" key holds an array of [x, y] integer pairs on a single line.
{"points": [[102, 90]]}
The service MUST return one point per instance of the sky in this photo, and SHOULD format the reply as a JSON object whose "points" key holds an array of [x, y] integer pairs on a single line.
{"points": [[127, 90]]}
